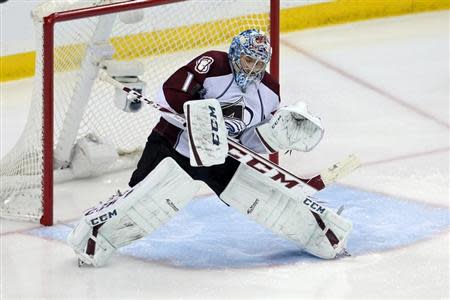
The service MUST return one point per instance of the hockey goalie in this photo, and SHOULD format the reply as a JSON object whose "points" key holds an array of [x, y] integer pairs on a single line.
{"points": [[221, 95]]}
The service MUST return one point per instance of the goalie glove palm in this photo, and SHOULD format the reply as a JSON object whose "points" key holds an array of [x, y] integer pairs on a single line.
{"points": [[292, 128]]}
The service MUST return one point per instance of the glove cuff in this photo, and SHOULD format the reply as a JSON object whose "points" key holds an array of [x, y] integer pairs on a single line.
{"points": [[265, 134]]}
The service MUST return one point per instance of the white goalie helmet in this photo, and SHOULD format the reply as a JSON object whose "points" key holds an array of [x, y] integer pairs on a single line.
{"points": [[249, 54]]}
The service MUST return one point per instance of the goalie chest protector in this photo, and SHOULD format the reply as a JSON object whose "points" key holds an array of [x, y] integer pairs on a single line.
{"points": [[210, 76]]}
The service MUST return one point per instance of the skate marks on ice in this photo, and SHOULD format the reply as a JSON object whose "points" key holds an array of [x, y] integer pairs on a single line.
{"points": [[208, 234]]}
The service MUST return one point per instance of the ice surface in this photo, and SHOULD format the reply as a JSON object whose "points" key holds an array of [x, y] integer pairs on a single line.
{"points": [[209, 234], [382, 90]]}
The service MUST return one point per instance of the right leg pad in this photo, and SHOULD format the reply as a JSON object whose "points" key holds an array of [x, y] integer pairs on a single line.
{"points": [[134, 214]]}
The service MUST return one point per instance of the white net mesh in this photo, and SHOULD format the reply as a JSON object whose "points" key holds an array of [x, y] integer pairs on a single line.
{"points": [[167, 37]]}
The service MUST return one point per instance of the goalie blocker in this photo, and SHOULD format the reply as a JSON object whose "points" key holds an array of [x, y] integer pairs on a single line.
{"points": [[207, 133]]}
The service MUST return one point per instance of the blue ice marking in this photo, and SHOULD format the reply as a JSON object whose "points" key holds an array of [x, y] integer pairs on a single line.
{"points": [[208, 234]]}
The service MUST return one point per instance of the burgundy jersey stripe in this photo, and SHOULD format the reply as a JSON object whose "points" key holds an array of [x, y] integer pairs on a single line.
{"points": [[191, 140]]}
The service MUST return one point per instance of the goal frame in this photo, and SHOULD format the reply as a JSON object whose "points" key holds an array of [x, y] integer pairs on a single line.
{"points": [[48, 78]]}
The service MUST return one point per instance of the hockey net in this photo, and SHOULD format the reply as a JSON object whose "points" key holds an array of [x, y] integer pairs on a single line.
{"points": [[71, 103]]}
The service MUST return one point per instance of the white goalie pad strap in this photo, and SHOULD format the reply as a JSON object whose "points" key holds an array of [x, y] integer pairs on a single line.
{"points": [[136, 213], [207, 133], [291, 128], [316, 229]]}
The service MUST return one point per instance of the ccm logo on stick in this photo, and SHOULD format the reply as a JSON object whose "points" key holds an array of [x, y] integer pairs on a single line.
{"points": [[273, 173], [262, 167]]}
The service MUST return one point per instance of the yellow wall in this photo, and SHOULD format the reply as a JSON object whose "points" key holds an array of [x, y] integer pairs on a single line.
{"points": [[21, 65], [344, 11]]}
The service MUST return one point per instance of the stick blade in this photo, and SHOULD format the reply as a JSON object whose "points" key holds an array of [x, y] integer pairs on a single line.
{"points": [[340, 169]]}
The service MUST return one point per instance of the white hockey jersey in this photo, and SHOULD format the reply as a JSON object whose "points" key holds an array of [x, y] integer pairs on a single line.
{"points": [[210, 76]]}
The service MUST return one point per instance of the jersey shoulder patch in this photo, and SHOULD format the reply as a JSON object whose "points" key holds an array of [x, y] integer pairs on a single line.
{"points": [[203, 64], [210, 64]]}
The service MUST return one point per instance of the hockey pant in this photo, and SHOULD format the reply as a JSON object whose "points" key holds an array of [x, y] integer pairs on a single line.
{"points": [[158, 148]]}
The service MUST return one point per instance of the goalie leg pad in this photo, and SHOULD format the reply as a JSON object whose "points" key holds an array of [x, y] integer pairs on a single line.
{"points": [[316, 229], [132, 215]]}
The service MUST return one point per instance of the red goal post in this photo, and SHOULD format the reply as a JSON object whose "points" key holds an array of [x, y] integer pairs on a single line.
{"points": [[54, 89]]}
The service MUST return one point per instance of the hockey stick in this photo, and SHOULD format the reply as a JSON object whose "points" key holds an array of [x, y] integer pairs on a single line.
{"points": [[258, 162]]}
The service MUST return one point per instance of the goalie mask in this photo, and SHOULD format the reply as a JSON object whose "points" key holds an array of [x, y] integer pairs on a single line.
{"points": [[249, 55]]}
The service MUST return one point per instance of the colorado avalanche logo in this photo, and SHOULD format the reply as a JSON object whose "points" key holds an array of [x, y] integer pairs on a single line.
{"points": [[203, 64], [234, 126], [234, 113]]}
